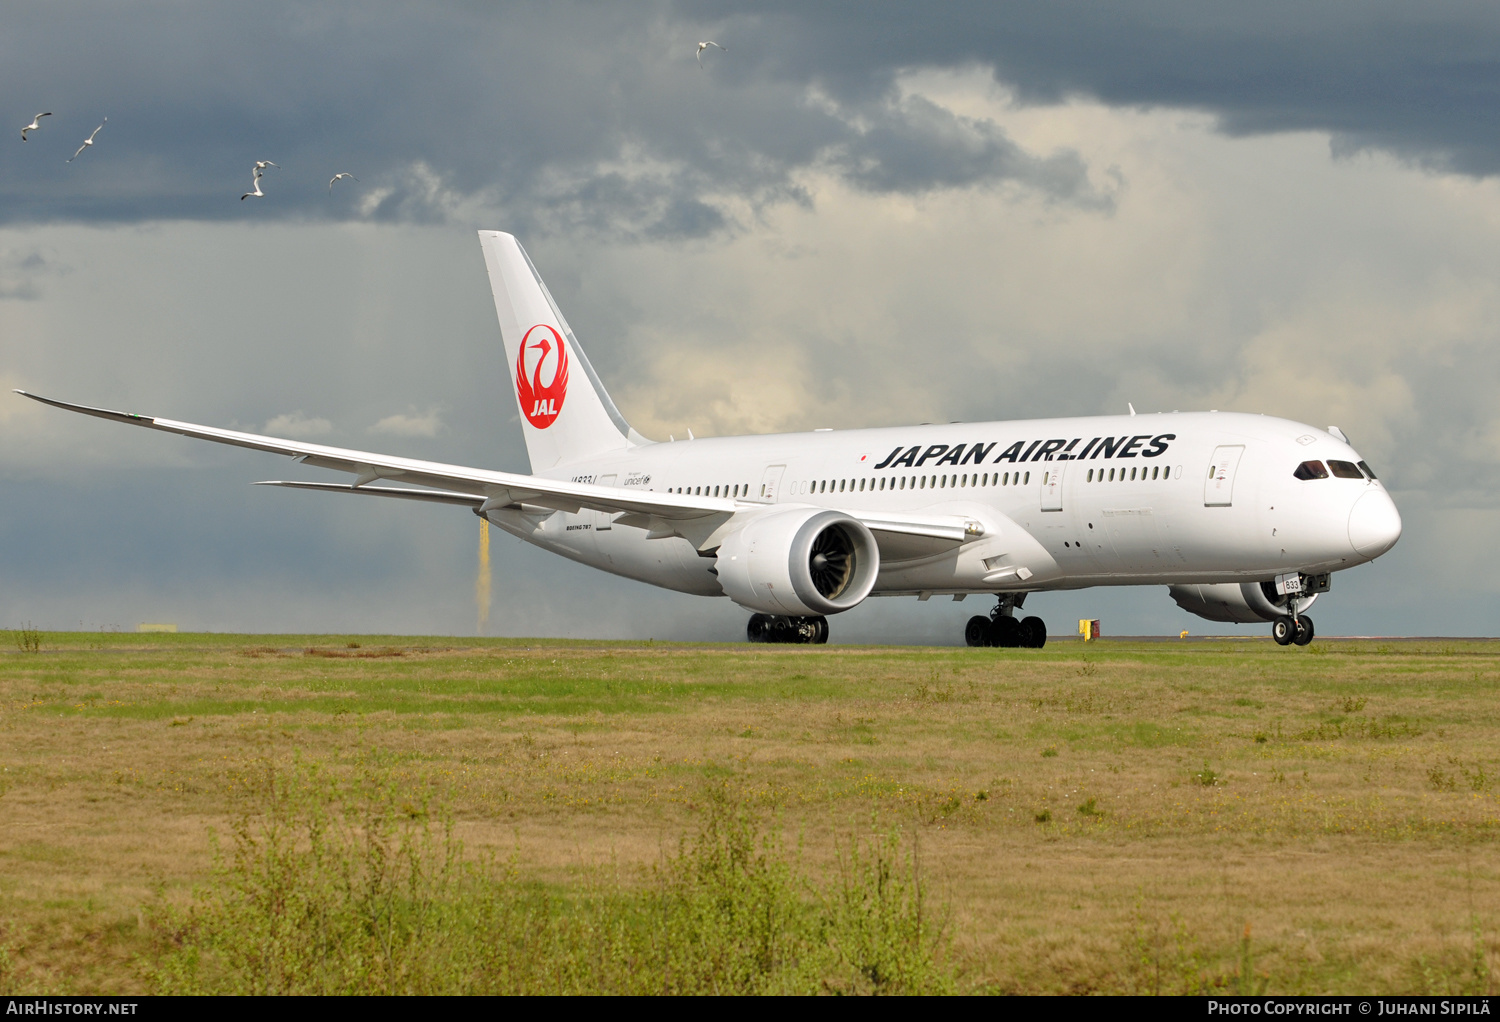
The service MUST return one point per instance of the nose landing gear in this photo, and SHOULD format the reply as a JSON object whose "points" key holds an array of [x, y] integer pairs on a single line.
{"points": [[1002, 629], [780, 628], [1292, 628]]}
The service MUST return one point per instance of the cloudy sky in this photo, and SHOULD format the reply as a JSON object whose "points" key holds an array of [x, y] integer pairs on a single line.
{"points": [[861, 214]]}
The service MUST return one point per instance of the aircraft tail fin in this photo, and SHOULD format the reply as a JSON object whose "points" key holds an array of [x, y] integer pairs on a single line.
{"points": [[566, 414]]}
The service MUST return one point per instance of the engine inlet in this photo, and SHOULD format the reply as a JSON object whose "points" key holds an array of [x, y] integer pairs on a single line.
{"points": [[832, 562]]}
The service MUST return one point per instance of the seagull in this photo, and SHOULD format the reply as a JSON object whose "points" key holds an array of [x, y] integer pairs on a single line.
{"points": [[705, 45], [339, 177], [256, 173], [36, 122], [88, 141], [255, 180]]}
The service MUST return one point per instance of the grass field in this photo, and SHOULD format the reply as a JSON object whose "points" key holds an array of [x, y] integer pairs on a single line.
{"points": [[1123, 816]]}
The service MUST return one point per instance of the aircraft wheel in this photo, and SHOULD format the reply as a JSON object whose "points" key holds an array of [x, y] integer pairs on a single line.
{"points": [[1284, 630], [978, 631], [1304, 630], [758, 630], [819, 631], [1005, 631], [1033, 633]]}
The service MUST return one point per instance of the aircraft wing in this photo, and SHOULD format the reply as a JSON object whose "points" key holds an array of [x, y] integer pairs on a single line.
{"points": [[477, 488], [451, 483]]}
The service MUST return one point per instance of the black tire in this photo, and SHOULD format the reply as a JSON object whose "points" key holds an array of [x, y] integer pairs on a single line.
{"points": [[820, 631], [1033, 633], [758, 629], [978, 631], [1284, 630], [1005, 632], [1304, 630]]}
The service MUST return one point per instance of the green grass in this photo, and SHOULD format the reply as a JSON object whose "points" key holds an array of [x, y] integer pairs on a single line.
{"points": [[1209, 815]]}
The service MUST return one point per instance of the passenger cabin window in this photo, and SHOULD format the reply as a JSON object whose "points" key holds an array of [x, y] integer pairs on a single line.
{"points": [[1345, 469], [1365, 466], [1311, 470]]}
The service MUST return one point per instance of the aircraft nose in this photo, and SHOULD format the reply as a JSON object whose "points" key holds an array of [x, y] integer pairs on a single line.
{"points": [[1374, 524]]}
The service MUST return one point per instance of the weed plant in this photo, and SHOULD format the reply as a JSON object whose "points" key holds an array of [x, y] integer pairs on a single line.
{"points": [[28, 639], [348, 887], [1169, 959]]}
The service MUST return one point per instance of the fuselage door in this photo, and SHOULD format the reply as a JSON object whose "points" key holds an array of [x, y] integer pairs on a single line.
{"points": [[605, 520], [770, 484], [1218, 488], [1052, 488]]}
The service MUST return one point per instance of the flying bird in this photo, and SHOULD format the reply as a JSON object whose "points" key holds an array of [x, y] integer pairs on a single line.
{"points": [[88, 141], [254, 180], [256, 173], [339, 177], [36, 122], [705, 45]]}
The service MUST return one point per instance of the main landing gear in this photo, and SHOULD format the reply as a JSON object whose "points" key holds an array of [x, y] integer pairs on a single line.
{"points": [[1290, 628], [779, 628], [1002, 629]]}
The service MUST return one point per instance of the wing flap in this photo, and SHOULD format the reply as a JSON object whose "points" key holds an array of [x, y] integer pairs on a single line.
{"points": [[436, 496]]}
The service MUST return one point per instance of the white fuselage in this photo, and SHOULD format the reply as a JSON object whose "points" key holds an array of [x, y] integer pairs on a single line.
{"points": [[1110, 500]]}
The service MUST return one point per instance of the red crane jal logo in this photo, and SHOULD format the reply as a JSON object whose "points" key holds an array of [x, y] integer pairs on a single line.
{"points": [[541, 403]]}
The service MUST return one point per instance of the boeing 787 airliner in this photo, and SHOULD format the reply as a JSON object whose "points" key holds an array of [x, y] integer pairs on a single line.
{"points": [[1244, 517]]}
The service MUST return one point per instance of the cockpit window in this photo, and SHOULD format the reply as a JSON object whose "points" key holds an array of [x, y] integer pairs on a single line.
{"points": [[1311, 470], [1345, 469], [1367, 470]]}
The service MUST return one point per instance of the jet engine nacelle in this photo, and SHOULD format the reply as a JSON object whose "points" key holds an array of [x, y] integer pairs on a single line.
{"points": [[802, 561], [1239, 602]]}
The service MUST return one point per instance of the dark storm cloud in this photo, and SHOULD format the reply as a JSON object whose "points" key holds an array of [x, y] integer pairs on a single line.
{"points": [[916, 145], [556, 115], [1419, 80], [597, 117]]}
